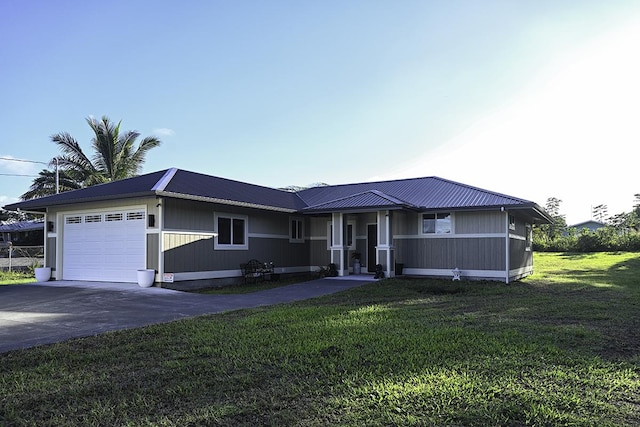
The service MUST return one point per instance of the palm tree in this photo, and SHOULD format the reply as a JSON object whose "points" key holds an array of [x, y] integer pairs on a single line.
{"points": [[115, 157]]}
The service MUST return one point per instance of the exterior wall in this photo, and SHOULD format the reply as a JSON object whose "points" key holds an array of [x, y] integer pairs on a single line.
{"points": [[318, 240], [520, 254], [54, 239], [188, 241], [476, 246], [320, 255]]}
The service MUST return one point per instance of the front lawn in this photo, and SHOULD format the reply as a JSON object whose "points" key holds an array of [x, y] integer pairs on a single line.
{"points": [[559, 348]]}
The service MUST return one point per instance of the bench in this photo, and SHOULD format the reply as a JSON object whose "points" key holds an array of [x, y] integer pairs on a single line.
{"points": [[254, 271]]}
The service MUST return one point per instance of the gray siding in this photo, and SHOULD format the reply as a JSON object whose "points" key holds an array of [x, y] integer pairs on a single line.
{"points": [[443, 253], [185, 250], [192, 252], [187, 215], [518, 256], [153, 248], [479, 222], [51, 253]]}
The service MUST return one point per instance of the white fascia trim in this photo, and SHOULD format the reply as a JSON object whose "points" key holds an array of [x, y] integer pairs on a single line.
{"points": [[449, 236], [517, 237], [488, 274]]}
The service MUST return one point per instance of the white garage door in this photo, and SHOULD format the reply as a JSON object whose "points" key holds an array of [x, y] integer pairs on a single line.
{"points": [[104, 246]]}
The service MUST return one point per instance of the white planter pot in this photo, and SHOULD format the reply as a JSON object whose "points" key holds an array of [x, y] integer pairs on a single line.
{"points": [[146, 278], [43, 274], [356, 267]]}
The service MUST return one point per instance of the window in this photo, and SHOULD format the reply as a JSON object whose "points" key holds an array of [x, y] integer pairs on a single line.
{"points": [[512, 222], [232, 232], [438, 223], [350, 239], [528, 237], [296, 231]]}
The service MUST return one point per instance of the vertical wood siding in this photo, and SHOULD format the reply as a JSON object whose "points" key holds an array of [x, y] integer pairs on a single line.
{"points": [[464, 253], [479, 222], [153, 248], [51, 252]]}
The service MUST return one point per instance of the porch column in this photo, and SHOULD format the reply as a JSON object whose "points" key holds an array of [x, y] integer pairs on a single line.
{"points": [[338, 252], [385, 251]]}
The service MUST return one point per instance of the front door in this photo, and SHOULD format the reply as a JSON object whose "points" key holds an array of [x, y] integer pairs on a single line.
{"points": [[372, 242]]}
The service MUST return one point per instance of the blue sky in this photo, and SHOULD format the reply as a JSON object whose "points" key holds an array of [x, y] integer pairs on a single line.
{"points": [[534, 99]]}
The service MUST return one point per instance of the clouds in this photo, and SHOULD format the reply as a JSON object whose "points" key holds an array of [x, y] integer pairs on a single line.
{"points": [[163, 132], [11, 165]]}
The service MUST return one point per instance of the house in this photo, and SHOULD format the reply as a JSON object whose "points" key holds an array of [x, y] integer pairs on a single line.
{"points": [[189, 227], [22, 233], [590, 225]]}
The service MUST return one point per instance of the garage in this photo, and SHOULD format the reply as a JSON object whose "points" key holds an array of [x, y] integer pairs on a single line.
{"points": [[104, 246]]}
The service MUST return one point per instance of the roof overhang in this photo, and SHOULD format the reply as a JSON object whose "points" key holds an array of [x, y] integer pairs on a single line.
{"points": [[222, 201]]}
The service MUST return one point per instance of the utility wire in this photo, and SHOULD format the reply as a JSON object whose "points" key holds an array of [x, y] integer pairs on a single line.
{"points": [[15, 174], [22, 160], [34, 161]]}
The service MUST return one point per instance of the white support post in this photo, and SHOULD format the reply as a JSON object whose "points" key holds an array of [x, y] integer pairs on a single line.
{"points": [[384, 250], [337, 249]]}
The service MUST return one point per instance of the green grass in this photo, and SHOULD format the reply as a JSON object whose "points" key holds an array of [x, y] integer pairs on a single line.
{"points": [[559, 348], [15, 277]]}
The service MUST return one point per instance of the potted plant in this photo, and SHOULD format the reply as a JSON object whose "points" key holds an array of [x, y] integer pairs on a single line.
{"points": [[43, 274], [356, 262], [146, 277]]}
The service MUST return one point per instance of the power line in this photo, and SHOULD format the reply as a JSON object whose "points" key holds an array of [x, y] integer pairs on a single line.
{"points": [[34, 161], [16, 174], [22, 160]]}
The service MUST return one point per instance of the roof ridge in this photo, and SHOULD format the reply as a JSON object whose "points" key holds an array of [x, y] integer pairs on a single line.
{"points": [[165, 180], [482, 190], [378, 193]]}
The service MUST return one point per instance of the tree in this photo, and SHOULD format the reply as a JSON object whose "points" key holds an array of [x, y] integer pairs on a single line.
{"points": [[599, 213], [545, 234], [115, 157]]}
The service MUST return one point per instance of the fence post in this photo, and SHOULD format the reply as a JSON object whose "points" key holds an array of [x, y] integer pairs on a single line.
{"points": [[10, 250]]}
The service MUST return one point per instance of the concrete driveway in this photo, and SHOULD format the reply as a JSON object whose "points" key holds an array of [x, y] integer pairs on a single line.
{"points": [[45, 313]]}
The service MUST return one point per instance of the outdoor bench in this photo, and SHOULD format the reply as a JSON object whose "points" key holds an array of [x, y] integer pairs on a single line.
{"points": [[254, 271]]}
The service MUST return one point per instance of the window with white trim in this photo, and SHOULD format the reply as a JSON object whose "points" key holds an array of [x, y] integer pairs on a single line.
{"points": [[512, 222], [296, 230], [528, 237], [436, 223], [350, 238], [232, 231]]}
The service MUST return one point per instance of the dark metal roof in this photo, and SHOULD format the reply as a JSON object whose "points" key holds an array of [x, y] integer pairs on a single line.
{"points": [[429, 193], [230, 192], [37, 224], [173, 183], [424, 193], [365, 200]]}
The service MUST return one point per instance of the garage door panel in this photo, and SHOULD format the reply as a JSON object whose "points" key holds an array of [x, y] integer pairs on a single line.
{"points": [[107, 246]]}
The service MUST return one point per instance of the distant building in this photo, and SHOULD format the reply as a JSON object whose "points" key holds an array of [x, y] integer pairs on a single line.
{"points": [[590, 225], [22, 233]]}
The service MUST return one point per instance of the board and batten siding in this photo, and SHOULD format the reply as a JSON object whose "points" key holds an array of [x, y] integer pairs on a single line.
{"points": [[477, 244], [188, 240], [485, 253]]}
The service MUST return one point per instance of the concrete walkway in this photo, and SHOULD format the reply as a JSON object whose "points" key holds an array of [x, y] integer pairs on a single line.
{"points": [[45, 313]]}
